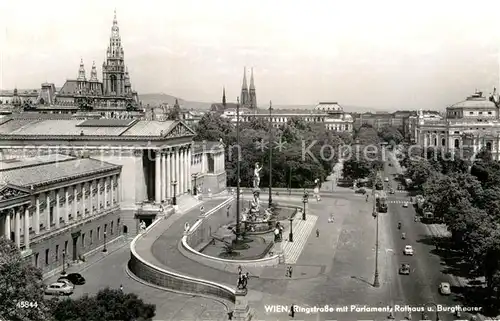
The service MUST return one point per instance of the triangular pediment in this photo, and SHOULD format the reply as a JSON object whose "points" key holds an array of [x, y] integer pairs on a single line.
{"points": [[10, 191], [179, 129]]}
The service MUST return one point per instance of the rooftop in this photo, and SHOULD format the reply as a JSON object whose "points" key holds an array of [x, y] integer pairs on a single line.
{"points": [[476, 100], [40, 170]]}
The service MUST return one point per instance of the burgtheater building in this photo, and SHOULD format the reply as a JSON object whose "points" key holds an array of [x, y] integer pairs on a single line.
{"points": [[471, 124], [158, 159]]}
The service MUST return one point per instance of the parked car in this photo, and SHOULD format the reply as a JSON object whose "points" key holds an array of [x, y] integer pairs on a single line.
{"points": [[75, 278], [444, 288], [59, 288], [404, 269], [66, 281], [405, 204], [408, 250]]}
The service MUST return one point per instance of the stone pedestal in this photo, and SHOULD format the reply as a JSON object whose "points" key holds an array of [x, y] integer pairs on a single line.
{"points": [[242, 311]]}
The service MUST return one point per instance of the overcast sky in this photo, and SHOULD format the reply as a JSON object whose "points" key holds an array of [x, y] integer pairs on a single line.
{"points": [[389, 54]]}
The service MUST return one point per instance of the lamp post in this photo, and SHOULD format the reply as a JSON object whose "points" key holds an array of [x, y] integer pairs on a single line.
{"points": [[104, 249], [290, 236], [376, 281], [270, 153], [174, 198], [238, 180], [305, 199], [64, 263], [195, 189]]}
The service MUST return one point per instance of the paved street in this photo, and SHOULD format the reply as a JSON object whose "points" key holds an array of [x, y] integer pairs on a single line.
{"points": [[421, 286], [110, 272]]}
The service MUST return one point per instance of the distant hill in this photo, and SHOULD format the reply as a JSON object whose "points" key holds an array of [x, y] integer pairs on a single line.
{"points": [[161, 98], [157, 99]]}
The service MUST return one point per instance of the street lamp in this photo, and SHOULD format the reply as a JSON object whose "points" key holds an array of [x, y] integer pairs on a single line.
{"points": [[105, 248], [64, 263], [174, 198], [305, 199], [290, 236], [376, 281], [238, 179], [195, 189], [270, 153]]}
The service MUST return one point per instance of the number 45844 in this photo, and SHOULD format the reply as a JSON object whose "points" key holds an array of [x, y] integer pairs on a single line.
{"points": [[27, 304]]}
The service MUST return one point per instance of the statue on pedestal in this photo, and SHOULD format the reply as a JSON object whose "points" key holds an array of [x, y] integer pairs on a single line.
{"points": [[256, 175]]}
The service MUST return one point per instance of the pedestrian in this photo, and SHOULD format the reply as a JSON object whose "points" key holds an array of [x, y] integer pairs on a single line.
{"points": [[290, 270], [292, 311], [121, 287], [317, 232], [239, 269]]}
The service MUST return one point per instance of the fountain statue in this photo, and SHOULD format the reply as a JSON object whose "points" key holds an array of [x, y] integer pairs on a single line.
{"points": [[256, 175]]}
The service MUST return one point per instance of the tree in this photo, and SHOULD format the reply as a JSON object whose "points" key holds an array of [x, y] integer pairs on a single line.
{"points": [[20, 282], [174, 113], [213, 127], [419, 172], [391, 135], [107, 304], [356, 169]]}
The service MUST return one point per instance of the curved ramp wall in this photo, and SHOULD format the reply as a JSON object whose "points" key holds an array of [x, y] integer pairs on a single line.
{"points": [[173, 280]]}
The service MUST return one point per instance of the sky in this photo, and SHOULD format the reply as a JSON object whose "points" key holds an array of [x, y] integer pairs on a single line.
{"points": [[376, 54]]}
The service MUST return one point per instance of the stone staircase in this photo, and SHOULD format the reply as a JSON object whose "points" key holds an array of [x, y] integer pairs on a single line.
{"points": [[301, 231], [187, 202]]}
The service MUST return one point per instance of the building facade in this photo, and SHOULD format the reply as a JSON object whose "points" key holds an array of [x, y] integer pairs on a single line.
{"points": [[470, 125], [156, 155], [328, 114], [113, 97], [57, 205]]}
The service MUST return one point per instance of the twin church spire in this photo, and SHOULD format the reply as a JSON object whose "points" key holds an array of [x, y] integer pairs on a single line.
{"points": [[248, 97]]}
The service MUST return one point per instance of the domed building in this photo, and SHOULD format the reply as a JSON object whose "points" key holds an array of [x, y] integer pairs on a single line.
{"points": [[469, 125]]}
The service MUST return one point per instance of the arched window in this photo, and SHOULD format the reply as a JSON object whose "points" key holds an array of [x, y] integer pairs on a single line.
{"points": [[488, 146], [435, 141], [443, 141], [457, 143]]}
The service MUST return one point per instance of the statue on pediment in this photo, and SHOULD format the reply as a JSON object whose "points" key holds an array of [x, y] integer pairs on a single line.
{"points": [[9, 193]]}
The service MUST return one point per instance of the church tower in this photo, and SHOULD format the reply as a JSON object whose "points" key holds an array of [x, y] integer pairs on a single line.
{"points": [[113, 69], [244, 98], [253, 97], [94, 82], [81, 80]]}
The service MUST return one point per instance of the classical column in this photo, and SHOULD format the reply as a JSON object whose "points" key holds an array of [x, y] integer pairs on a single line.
{"points": [[75, 201], [190, 160], [26, 228], [176, 171], [91, 198], [182, 164], [106, 198], [203, 162], [66, 213], [169, 175], [47, 218], [83, 200], [158, 177], [113, 190], [7, 225], [119, 188], [36, 219], [58, 206], [98, 195], [17, 227], [163, 177]]}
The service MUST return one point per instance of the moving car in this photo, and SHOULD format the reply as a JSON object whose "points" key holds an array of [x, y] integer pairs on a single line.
{"points": [[75, 278], [408, 250], [386, 179], [59, 288], [405, 204], [404, 269], [361, 191], [391, 191], [66, 281], [444, 288]]}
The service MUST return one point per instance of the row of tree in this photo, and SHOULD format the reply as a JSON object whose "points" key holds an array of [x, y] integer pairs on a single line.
{"points": [[466, 197], [366, 155], [301, 151], [22, 296]]}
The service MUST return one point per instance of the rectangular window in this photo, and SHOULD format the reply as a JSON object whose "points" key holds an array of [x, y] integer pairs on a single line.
{"points": [[111, 227], [36, 259], [57, 252], [83, 240], [47, 257], [91, 237], [99, 233], [480, 113], [471, 113], [489, 113]]}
